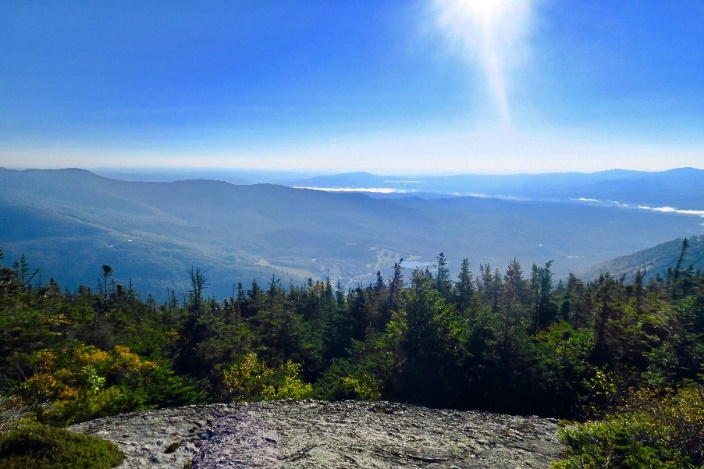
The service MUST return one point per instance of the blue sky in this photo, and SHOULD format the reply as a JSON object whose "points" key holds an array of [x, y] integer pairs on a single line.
{"points": [[396, 87]]}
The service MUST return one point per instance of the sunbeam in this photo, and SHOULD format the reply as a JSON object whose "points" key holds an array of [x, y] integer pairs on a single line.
{"points": [[491, 33]]}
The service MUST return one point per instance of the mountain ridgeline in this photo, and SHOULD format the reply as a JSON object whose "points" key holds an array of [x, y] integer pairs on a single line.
{"points": [[70, 222], [680, 188]]}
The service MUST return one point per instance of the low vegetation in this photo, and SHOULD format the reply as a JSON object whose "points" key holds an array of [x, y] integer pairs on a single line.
{"points": [[622, 358], [652, 429], [44, 447]]}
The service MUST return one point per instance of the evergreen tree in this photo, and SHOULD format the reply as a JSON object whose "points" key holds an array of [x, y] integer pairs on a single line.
{"points": [[514, 298], [464, 288], [443, 282]]}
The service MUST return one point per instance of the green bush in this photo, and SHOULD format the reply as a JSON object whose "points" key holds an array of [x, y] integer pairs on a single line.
{"points": [[40, 446], [620, 441], [105, 402], [647, 431]]}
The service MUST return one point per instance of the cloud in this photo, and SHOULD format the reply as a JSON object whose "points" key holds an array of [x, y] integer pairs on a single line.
{"points": [[492, 34], [699, 213], [678, 211]]}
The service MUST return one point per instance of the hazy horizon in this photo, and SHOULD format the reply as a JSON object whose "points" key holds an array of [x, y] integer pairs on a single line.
{"points": [[293, 173], [431, 87]]}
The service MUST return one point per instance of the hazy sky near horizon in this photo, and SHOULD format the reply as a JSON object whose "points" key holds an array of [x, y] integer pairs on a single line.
{"points": [[396, 87]]}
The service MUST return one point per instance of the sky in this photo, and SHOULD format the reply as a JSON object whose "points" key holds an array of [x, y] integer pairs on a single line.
{"points": [[389, 87]]}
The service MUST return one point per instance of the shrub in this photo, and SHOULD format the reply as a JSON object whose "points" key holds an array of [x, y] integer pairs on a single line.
{"points": [[252, 380], [41, 446], [647, 431], [83, 382]]}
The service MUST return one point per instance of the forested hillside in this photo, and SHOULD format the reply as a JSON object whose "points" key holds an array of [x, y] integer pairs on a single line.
{"points": [[657, 261], [509, 340]]}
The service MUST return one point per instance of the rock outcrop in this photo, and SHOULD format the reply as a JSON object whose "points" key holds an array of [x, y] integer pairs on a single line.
{"points": [[318, 434]]}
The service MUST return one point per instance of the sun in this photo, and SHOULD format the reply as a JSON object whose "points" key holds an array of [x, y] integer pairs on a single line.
{"points": [[485, 10], [476, 12]]}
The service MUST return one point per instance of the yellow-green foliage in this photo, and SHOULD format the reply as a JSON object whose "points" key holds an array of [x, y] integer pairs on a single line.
{"points": [[363, 387], [252, 380], [44, 447], [648, 431], [82, 383]]}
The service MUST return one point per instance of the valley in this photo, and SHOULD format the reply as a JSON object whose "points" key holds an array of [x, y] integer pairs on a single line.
{"points": [[71, 222]]}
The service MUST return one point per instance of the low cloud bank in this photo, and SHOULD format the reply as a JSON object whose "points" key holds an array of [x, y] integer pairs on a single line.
{"points": [[698, 213]]}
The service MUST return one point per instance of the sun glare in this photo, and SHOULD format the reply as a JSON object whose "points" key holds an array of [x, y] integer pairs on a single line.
{"points": [[484, 9], [490, 33]]}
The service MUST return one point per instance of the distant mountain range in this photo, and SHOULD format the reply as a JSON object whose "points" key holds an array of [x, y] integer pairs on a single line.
{"points": [[71, 222], [679, 188]]}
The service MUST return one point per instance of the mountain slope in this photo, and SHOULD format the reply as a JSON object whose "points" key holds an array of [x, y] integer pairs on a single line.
{"points": [[653, 261]]}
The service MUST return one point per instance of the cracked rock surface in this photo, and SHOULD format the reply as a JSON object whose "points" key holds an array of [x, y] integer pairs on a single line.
{"points": [[318, 434], [159, 439]]}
